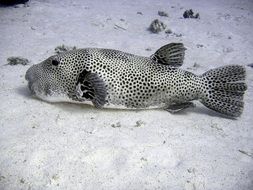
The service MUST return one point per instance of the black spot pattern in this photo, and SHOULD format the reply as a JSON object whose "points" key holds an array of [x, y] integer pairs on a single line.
{"points": [[223, 89], [131, 81], [140, 82]]}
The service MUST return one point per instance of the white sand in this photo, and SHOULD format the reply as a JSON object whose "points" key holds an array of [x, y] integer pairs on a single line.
{"points": [[66, 146]]}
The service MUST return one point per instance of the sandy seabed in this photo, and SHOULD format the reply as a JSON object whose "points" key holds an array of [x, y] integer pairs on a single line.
{"points": [[66, 146]]}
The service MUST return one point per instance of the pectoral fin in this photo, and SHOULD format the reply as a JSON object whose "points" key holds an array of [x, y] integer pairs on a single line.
{"points": [[178, 107], [90, 87]]}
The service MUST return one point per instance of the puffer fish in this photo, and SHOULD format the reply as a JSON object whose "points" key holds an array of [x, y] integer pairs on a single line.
{"points": [[115, 79]]}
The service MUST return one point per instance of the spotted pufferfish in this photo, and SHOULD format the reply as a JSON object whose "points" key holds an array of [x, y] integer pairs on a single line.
{"points": [[115, 79]]}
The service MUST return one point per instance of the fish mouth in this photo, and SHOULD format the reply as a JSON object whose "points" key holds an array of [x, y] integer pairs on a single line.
{"points": [[38, 84], [28, 77], [31, 88], [36, 88], [28, 74]]}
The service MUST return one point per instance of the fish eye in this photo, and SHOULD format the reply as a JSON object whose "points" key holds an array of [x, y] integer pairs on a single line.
{"points": [[55, 62]]}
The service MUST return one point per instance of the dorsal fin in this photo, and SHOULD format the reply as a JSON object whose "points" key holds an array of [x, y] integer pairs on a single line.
{"points": [[171, 54], [90, 87]]}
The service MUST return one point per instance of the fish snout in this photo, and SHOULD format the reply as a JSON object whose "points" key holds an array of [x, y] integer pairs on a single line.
{"points": [[29, 73], [31, 78], [43, 83]]}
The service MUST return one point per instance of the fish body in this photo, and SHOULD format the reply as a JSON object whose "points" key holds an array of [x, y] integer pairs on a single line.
{"points": [[111, 78]]}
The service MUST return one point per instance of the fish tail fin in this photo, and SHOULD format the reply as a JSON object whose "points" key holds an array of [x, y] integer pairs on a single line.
{"points": [[223, 88], [170, 54]]}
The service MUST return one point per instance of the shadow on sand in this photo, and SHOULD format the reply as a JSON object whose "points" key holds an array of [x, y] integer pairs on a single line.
{"points": [[199, 109], [23, 91]]}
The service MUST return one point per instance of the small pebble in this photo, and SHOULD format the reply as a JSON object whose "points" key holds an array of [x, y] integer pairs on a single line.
{"points": [[162, 13], [157, 26], [168, 31], [227, 50], [196, 65], [22, 180], [199, 45], [17, 61], [190, 14], [63, 48], [139, 123], [177, 35], [117, 125], [144, 159], [250, 65]]}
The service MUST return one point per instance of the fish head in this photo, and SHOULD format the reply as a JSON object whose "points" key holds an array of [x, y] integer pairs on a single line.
{"points": [[55, 78]]}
